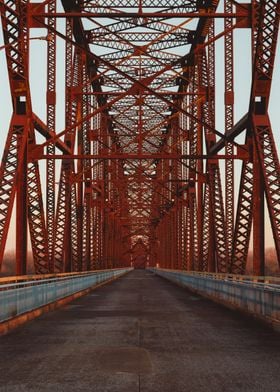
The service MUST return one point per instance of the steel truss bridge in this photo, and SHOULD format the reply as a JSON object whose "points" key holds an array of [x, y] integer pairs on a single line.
{"points": [[133, 174]]}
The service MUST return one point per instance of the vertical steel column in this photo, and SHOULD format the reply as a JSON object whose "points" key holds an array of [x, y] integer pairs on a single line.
{"points": [[80, 149], [63, 223], [258, 217], [21, 210], [266, 165], [215, 187], [51, 121], [13, 172], [229, 122]]}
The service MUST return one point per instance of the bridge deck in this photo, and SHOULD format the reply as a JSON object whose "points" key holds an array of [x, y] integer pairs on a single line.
{"points": [[141, 333]]}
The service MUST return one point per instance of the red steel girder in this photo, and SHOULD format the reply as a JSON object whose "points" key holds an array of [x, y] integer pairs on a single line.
{"points": [[139, 172]]}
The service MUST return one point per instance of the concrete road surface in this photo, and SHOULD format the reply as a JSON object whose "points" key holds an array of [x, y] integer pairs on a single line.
{"points": [[141, 334]]}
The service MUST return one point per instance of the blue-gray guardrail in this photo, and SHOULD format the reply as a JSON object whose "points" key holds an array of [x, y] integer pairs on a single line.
{"points": [[21, 297], [259, 298]]}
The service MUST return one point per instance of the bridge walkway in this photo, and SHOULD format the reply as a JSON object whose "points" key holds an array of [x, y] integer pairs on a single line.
{"points": [[141, 333]]}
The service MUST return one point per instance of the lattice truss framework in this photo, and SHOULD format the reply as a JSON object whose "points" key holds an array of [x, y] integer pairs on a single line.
{"points": [[138, 160]]}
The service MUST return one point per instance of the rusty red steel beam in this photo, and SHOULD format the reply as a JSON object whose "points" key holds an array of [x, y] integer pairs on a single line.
{"points": [[24, 181], [142, 84], [266, 161], [143, 14], [140, 162], [138, 156], [51, 125], [261, 173], [42, 128], [229, 122], [231, 134]]}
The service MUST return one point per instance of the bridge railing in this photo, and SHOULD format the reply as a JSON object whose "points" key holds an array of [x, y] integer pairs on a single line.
{"points": [[259, 296], [245, 279], [19, 295]]}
